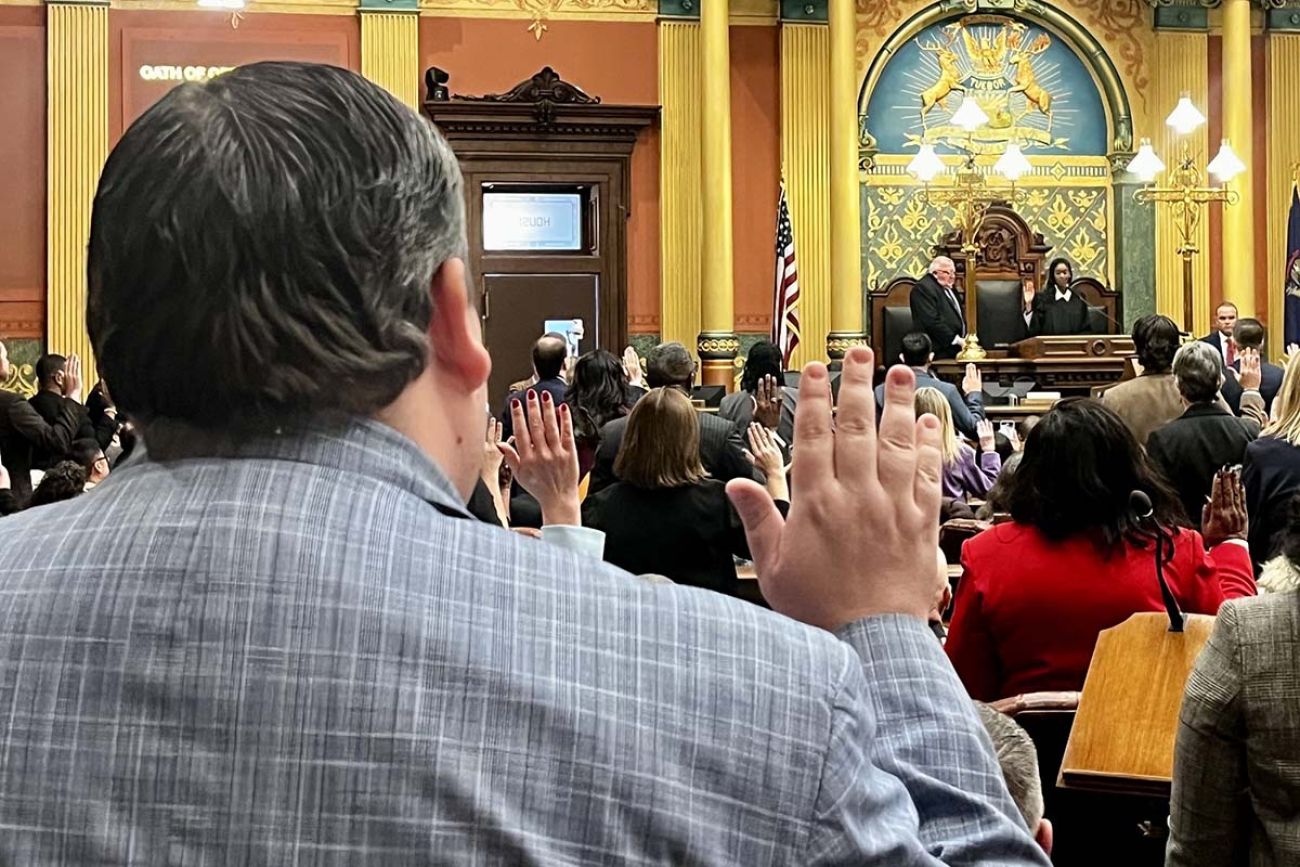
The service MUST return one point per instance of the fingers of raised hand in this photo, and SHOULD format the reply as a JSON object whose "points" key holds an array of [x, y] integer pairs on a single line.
{"points": [[523, 435], [928, 489], [814, 463], [855, 422], [550, 424], [896, 464]]}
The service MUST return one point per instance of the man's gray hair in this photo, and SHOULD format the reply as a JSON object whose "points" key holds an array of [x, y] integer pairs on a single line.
{"points": [[1018, 758], [262, 248], [1198, 367], [940, 262]]}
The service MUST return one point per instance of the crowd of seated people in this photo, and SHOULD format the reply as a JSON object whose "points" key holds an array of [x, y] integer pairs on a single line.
{"points": [[292, 615]]}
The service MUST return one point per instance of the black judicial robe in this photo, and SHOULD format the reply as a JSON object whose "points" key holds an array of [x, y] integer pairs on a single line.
{"points": [[1053, 316]]}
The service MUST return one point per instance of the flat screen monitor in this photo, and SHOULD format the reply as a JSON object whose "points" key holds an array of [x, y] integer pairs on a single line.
{"points": [[532, 221]]}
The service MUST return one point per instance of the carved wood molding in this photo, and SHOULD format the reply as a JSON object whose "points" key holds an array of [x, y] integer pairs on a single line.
{"points": [[544, 92]]}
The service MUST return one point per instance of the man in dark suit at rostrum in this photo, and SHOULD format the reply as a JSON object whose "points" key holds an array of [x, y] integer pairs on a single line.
{"points": [[1225, 317], [721, 449], [967, 405], [22, 430], [937, 310], [1190, 449], [1250, 334]]}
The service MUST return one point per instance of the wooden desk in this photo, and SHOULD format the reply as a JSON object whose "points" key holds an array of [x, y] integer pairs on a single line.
{"points": [[1073, 364]]}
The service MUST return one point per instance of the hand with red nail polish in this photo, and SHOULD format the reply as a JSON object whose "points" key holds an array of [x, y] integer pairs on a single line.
{"points": [[544, 457]]}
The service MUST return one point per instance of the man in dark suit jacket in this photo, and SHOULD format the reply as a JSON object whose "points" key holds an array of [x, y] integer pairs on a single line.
{"points": [[1205, 438], [51, 400], [1225, 317], [722, 452], [549, 353], [967, 405], [1249, 334], [22, 430], [937, 310]]}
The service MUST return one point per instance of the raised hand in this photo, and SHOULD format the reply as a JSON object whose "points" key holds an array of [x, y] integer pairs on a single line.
{"points": [[544, 457], [1224, 516], [1250, 376], [492, 456], [767, 398], [984, 429], [764, 451], [864, 527], [72, 378], [973, 381], [1027, 294], [632, 366]]}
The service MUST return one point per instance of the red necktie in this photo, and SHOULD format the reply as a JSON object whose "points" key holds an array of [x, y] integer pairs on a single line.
{"points": [[1232, 353]]}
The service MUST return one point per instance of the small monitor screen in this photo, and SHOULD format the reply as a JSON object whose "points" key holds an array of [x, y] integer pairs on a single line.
{"points": [[532, 221]]}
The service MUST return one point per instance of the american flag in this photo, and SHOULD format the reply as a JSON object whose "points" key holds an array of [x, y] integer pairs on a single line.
{"points": [[785, 309]]}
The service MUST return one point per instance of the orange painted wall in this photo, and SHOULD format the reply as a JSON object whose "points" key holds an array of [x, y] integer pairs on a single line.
{"points": [[201, 38], [755, 170], [22, 153], [616, 61]]}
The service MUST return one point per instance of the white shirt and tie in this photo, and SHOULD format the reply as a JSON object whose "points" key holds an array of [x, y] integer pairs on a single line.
{"points": [[1226, 348], [960, 339]]}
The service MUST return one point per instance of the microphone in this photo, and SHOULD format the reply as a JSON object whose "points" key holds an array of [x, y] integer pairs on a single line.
{"points": [[1140, 503]]}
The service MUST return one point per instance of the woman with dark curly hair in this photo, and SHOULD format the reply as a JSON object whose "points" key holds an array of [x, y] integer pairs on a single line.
{"points": [[598, 393], [1075, 560]]}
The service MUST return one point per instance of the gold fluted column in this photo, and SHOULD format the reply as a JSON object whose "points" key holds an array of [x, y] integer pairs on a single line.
{"points": [[76, 147], [805, 118], [390, 52], [1180, 66], [680, 215], [1239, 219], [717, 343], [1283, 158], [846, 230]]}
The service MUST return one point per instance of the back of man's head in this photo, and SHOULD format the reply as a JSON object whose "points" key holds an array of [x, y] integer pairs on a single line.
{"points": [[272, 235], [1018, 758], [549, 353], [1198, 368], [1248, 334], [48, 367], [63, 481], [1155, 338], [917, 349], [669, 364]]}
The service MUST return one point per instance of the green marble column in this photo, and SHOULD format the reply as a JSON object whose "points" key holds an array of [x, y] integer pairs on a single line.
{"points": [[1135, 250]]}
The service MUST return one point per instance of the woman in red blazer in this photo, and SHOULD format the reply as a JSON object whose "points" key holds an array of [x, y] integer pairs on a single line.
{"points": [[1075, 560]]}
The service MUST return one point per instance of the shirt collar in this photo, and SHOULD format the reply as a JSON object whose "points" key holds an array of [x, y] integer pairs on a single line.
{"points": [[343, 444], [1063, 296]]}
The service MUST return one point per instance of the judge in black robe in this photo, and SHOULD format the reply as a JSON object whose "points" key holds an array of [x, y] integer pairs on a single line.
{"points": [[1057, 309]]}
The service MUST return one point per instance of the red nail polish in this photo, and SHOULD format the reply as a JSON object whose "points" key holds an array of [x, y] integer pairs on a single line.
{"points": [[514, 403], [546, 397]]}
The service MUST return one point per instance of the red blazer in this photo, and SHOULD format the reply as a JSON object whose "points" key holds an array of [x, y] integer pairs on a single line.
{"points": [[1028, 610]]}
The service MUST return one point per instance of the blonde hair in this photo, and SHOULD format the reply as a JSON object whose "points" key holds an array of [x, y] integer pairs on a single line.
{"points": [[1286, 406], [661, 447], [932, 401]]}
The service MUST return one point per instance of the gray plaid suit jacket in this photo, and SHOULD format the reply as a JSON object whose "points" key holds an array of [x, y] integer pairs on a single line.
{"points": [[302, 651], [1236, 788]]}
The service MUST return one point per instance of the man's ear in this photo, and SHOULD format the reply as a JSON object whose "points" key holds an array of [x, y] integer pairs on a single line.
{"points": [[1043, 836], [456, 336]]}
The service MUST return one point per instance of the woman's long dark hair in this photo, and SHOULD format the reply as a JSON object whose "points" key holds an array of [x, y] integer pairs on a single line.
{"points": [[597, 394], [1051, 272], [1081, 462]]}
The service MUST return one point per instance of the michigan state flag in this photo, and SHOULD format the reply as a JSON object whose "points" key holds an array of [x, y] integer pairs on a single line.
{"points": [[1291, 312]]}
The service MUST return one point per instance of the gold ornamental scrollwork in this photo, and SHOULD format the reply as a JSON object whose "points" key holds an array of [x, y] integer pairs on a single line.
{"points": [[839, 343], [718, 346], [21, 379]]}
